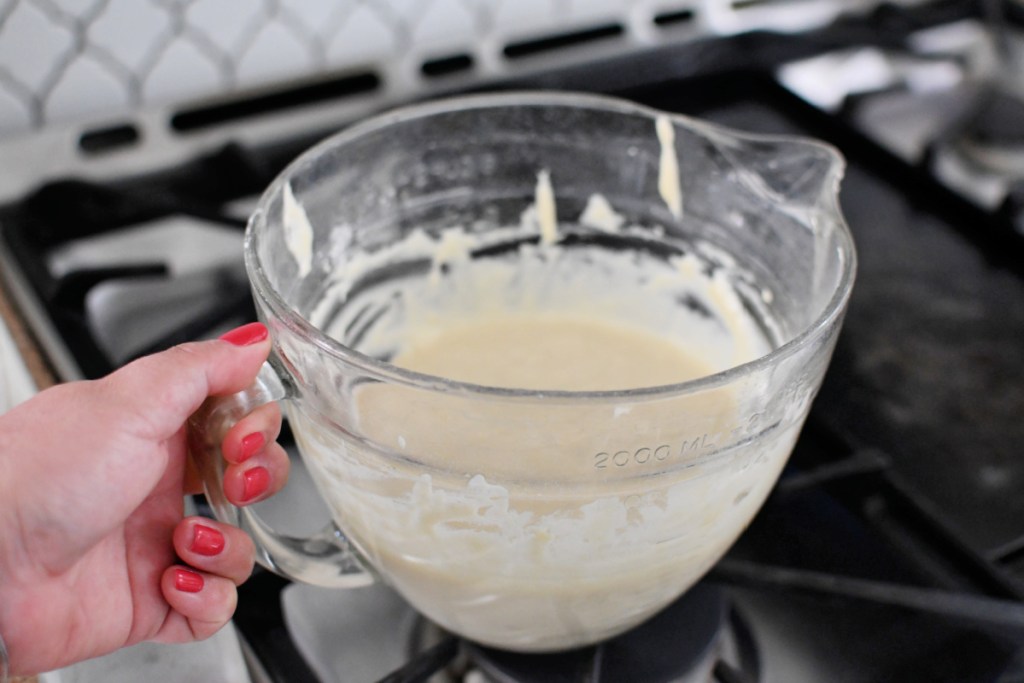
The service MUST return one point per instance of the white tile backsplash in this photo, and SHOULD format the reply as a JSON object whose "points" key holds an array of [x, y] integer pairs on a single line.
{"points": [[276, 53], [100, 62], [134, 48], [103, 59], [33, 46], [183, 70], [85, 87], [14, 115], [316, 17], [364, 37], [232, 25]]}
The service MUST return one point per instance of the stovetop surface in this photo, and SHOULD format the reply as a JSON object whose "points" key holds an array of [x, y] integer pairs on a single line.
{"points": [[893, 546], [929, 369], [902, 484]]}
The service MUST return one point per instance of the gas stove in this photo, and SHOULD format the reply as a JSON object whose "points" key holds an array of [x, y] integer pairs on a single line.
{"points": [[893, 546]]}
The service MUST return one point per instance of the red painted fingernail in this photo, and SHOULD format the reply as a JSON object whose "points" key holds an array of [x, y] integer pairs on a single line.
{"points": [[251, 444], [206, 540], [188, 582], [255, 482], [253, 333]]}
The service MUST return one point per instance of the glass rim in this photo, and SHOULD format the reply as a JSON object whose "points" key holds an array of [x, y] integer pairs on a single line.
{"points": [[390, 373]]}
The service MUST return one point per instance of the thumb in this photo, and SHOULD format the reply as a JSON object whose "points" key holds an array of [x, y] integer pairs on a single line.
{"points": [[167, 387]]}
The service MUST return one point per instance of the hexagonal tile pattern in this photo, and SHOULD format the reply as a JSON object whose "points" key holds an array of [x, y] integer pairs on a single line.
{"points": [[231, 24], [130, 48], [363, 38], [33, 46], [276, 54], [86, 88], [165, 82], [66, 59]]}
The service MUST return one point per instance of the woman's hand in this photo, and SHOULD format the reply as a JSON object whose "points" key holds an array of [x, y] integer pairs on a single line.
{"points": [[94, 551]]}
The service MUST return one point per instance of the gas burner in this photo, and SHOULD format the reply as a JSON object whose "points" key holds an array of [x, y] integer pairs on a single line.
{"points": [[948, 98], [983, 156], [698, 639]]}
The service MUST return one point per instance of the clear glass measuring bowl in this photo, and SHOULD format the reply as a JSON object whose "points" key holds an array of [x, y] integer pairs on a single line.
{"points": [[537, 520]]}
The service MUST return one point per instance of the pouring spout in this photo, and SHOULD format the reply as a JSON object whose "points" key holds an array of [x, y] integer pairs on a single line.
{"points": [[799, 176]]}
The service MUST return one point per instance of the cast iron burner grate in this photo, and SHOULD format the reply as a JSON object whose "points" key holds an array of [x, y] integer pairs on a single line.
{"points": [[700, 638], [70, 239]]}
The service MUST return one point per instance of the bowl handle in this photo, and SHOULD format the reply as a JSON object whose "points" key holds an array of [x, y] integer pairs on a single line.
{"points": [[326, 558]]}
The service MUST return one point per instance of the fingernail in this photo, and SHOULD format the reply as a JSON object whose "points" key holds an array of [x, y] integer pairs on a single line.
{"points": [[255, 482], [188, 582], [251, 444], [206, 540], [253, 333]]}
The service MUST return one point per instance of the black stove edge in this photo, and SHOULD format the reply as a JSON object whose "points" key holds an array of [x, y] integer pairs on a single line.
{"points": [[259, 618]]}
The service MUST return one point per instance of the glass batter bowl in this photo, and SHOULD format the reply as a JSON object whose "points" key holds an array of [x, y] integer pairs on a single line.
{"points": [[535, 520]]}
